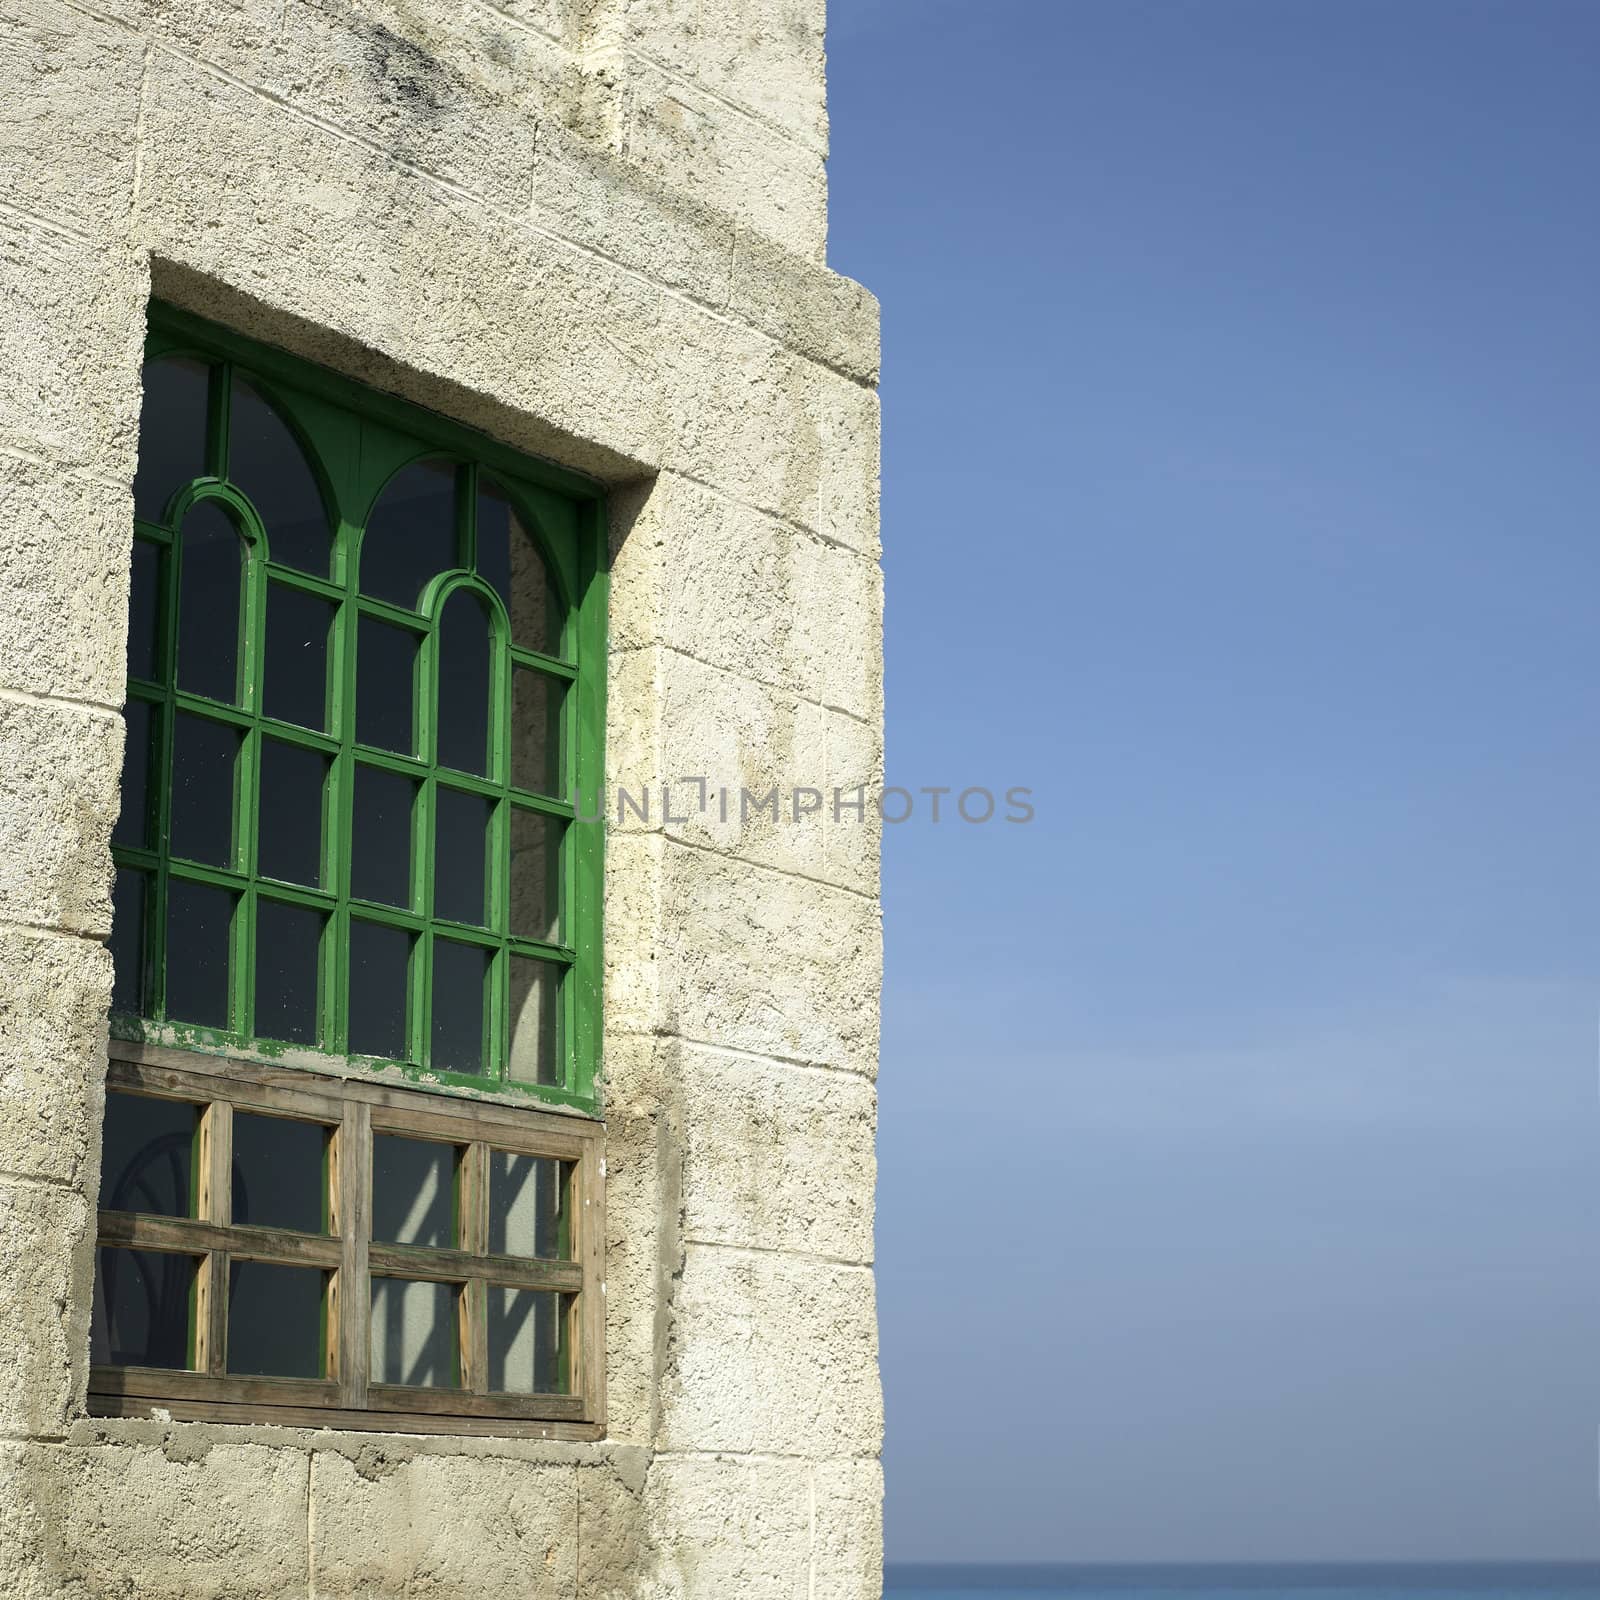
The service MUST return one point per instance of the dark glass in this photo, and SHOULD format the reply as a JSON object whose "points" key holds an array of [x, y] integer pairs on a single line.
{"points": [[462, 716], [144, 612], [524, 1341], [535, 875], [460, 843], [380, 958], [198, 922], [411, 534], [128, 900], [204, 758], [527, 1198], [386, 671], [288, 942], [275, 1320], [172, 433], [265, 461], [510, 561], [210, 570], [536, 731], [133, 821], [295, 683], [289, 825], [414, 1334], [143, 1309], [380, 836], [147, 1155], [459, 971], [533, 1047], [413, 1191], [279, 1172]]}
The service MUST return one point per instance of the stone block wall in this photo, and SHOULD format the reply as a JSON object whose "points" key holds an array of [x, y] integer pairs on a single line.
{"points": [[594, 229]]}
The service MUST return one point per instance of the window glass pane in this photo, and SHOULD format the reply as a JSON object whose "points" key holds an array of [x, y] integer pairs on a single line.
{"points": [[198, 922], [172, 433], [510, 561], [380, 838], [535, 875], [133, 822], [533, 1050], [380, 958], [386, 669], [459, 973], [128, 901], [414, 1333], [279, 1172], [266, 462], [143, 1309], [147, 1155], [525, 1341], [527, 1199], [204, 759], [460, 842], [288, 943], [144, 612], [536, 731], [296, 674], [289, 826], [413, 1191], [210, 569], [463, 707], [411, 534], [275, 1320]]}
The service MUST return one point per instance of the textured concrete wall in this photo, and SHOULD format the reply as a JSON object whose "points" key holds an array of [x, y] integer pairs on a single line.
{"points": [[593, 228]]}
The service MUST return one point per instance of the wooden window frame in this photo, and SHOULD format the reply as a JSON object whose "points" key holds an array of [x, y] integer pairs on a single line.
{"points": [[356, 1108], [357, 441]]}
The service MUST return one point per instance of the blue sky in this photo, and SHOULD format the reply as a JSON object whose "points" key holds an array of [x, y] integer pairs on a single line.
{"points": [[1239, 1130]]}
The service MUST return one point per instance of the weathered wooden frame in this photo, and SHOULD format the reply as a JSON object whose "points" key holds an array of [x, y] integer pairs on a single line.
{"points": [[355, 1108]]}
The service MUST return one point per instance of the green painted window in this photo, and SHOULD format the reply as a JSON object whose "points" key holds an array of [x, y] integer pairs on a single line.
{"points": [[366, 668]]}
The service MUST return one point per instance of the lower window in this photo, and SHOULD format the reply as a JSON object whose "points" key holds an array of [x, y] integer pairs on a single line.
{"points": [[275, 1246]]}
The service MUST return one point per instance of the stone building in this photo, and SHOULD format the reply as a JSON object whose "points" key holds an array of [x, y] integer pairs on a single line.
{"points": [[440, 704]]}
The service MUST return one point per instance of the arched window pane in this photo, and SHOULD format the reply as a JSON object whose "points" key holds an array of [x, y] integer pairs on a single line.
{"points": [[386, 669], [144, 612], [288, 940], [462, 709], [536, 731], [129, 900], [460, 855], [535, 875], [380, 836], [205, 760], [533, 1048], [212, 564], [295, 679], [172, 433], [411, 534], [510, 561], [294, 783], [380, 960], [199, 919], [460, 975], [133, 822], [266, 463]]}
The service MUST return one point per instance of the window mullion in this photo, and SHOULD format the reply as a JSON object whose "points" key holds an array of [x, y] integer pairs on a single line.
{"points": [[216, 1206], [473, 1236], [353, 1160]]}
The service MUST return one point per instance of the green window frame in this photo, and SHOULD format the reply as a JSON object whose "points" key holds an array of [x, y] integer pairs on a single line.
{"points": [[539, 1003]]}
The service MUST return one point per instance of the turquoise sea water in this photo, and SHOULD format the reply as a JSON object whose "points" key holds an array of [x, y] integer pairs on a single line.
{"points": [[1408, 1582]]}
